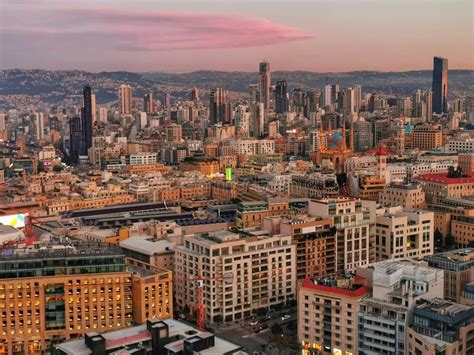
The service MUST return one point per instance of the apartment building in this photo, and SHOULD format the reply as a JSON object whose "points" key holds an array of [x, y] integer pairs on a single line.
{"points": [[466, 161], [406, 195], [328, 314], [384, 316], [458, 267], [441, 327], [141, 159], [404, 233], [461, 145], [252, 213], [62, 291], [253, 146], [315, 244], [207, 166], [237, 273], [355, 241], [315, 185]]}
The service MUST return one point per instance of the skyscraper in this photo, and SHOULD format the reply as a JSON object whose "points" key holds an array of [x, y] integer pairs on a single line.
{"points": [[254, 93], [93, 108], [167, 100], [429, 105], [348, 102], [264, 84], [440, 85], [86, 116], [219, 108], [39, 126], [125, 99], [257, 117], [357, 97], [327, 96], [281, 97], [194, 96], [148, 102]]}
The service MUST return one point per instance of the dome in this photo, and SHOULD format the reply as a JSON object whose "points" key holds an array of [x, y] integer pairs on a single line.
{"points": [[336, 138], [333, 146]]}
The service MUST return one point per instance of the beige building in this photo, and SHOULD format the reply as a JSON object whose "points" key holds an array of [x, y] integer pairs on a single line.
{"points": [[402, 233], [252, 213], [354, 238], [125, 99], [327, 314], [427, 137], [240, 273], [406, 195], [466, 161], [174, 133]]}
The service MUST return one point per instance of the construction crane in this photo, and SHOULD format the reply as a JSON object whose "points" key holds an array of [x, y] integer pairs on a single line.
{"points": [[29, 221], [200, 282]]}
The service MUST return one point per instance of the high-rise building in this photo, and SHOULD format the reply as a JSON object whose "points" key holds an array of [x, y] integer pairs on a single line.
{"points": [[335, 90], [167, 100], [348, 102], [125, 99], [86, 116], [3, 126], [76, 140], [174, 133], [103, 114], [440, 85], [264, 84], [194, 95], [281, 97], [254, 93], [374, 103], [357, 98], [148, 105], [257, 120], [327, 99], [428, 101], [93, 109], [38, 121], [219, 107]]}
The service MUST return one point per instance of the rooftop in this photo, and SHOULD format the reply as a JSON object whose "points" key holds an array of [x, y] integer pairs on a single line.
{"points": [[352, 286], [147, 246], [444, 179]]}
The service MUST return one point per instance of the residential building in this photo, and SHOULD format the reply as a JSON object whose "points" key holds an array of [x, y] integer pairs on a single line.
{"points": [[314, 185], [252, 213], [125, 99], [441, 185], [327, 314], [237, 273], [384, 316], [404, 233], [427, 137], [354, 239]]}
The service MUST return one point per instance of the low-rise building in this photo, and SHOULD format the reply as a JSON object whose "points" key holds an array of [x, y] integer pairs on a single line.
{"points": [[440, 185], [252, 213]]}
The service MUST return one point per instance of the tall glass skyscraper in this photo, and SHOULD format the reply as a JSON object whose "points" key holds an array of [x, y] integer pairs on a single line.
{"points": [[440, 85], [264, 84]]}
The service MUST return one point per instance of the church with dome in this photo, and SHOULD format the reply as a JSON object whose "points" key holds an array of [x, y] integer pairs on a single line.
{"points": [[333, 147]]}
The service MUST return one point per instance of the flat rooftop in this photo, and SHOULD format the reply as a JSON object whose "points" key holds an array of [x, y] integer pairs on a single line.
{"points": [[443, 178]]}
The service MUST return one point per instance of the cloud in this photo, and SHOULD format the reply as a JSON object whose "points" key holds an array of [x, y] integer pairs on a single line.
{"points": [[154, 31]]}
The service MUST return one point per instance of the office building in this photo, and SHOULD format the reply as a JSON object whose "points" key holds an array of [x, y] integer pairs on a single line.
{"points": [[264, 84], [327, 314], [407, 195], [441, 327], [219, 107], [148, 104], [125, 99], [257, 120], [458, 267], [38, 121], [252, 213], [281, 97], [354, 238], [440, 85], [427, 137], [396, 288], [440, 185], [314, 185], [62, 291], [86, 117], [167, 336], [404, 234], [241, 273]]}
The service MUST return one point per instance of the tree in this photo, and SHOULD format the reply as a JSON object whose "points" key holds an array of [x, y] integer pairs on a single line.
{"points": [[276, 329], [449, 241], [58, 168], [438, 238]]}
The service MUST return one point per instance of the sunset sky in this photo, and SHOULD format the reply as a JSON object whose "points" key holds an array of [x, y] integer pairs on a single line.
{"points": [[186, 35]]}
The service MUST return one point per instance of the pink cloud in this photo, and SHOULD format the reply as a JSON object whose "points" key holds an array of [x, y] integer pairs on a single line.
{"points": [[158, 31]]}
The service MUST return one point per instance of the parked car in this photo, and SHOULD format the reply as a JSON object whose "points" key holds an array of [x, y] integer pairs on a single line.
{"points": [[285, 317]]}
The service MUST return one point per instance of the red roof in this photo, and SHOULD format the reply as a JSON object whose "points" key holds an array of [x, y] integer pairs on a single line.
{"points": [[131, 339], [381, 150], [362, 290], [443, 178]]}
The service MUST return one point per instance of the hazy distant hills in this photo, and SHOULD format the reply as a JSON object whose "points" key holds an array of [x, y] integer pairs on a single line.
{"points": [[56, 86]]}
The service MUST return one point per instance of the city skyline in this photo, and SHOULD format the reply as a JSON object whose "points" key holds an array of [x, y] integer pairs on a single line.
{"points": [[319, 36]]}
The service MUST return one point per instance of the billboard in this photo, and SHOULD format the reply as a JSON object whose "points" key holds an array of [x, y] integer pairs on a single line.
{"points": [[228, 174], [14, 220]]}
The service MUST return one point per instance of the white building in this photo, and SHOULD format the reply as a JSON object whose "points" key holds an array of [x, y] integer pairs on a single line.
{"points": [[253, 146], [460, 145], [142, 158], [397, 286], [242, 273]]}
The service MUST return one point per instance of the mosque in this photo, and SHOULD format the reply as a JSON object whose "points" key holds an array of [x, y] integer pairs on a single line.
{"points": [[333, 146]]}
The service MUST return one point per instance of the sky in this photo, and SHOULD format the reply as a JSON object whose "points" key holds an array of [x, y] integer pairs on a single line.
{"points": [[235, 35]]}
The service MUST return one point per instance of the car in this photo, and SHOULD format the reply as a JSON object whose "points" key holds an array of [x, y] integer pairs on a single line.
{"points": [[182, 316], [285, 317], [254, 322]]}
